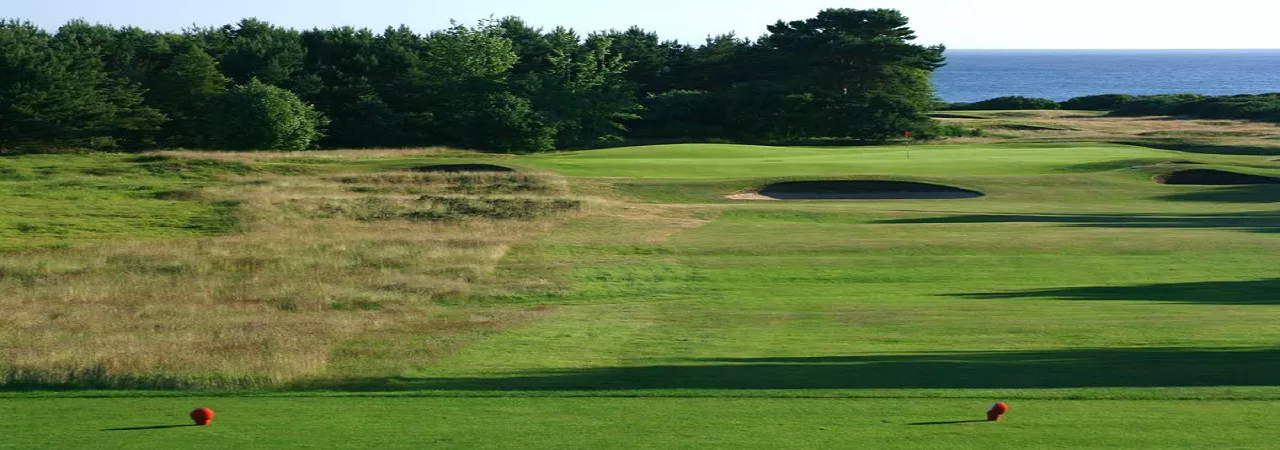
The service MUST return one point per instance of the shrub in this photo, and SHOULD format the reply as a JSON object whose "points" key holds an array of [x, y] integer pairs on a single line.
{"points": [[948, 130], [1264, 107], [1005, 103], [1105, 102], [1261, 107], [259, 116], [1159, 105]]}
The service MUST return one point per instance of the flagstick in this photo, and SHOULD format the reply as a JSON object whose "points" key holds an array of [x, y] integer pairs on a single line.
{"points": [[908, 136]]}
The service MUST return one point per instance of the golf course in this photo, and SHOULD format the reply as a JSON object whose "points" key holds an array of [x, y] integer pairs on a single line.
{"points": [[686, 295]]}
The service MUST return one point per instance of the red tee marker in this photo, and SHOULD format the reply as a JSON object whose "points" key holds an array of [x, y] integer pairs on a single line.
{"points": [[202, 416], [997, 412]]}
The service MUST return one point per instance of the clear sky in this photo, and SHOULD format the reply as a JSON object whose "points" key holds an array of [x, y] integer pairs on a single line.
{"points": [[960, 24]]}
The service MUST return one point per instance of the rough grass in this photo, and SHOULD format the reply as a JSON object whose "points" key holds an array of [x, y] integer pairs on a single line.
{"points": [[436, 208], [1198, 136], [289, 295], [51, 200], [458, 183], [316, 156]]}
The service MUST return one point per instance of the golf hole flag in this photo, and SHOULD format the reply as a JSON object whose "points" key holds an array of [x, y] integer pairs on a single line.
{"points": [[996, 412]]}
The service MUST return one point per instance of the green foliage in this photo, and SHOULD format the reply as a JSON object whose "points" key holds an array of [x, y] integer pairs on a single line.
{"points": [[342, 75], [56, 92], [1261, 107], [256, 49], [857, 64], [509, 122], [578, 88], [948, 130], [584, 95], [1105, 102], [1013, 103], [1159, 105], [680, 114], [476, 107], [501, 85], [650, 62], [259, 116], [185, 92]]}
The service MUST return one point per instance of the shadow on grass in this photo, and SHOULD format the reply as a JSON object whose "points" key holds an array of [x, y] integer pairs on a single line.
{"points": [[952, 422], [1235, 194], [1256, 292], [1257, 222], [153, 427], [1075, 368], [1203, 148]]}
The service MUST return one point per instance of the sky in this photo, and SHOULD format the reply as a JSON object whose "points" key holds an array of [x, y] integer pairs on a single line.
{"points": [[959, 24]]}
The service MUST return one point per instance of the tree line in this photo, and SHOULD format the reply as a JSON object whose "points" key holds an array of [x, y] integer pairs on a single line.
{"points": [[1255, 107], [501, 85]]}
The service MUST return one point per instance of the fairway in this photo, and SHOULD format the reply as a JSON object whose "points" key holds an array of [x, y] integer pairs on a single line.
{"points": [[1107, 309]]}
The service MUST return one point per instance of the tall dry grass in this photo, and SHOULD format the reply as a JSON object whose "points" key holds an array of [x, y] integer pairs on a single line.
{"points": [[253, 156], [1074, 126], [292, 296]]}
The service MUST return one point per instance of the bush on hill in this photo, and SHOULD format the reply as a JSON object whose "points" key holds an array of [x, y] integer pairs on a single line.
{"points": [[1105, 102], [1005, 103], [1158, 105], [260, 116], [1262, 107]]}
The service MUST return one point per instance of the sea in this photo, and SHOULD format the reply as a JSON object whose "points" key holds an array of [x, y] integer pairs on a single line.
{"points": [[973, 75]]}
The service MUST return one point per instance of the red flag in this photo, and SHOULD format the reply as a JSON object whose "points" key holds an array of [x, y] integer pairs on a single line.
{"points": [[906, 134]]}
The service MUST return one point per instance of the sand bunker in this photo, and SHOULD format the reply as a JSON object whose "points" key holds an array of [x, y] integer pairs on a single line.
{"points": [[453, 168], [1210, 177], [856, 190]]}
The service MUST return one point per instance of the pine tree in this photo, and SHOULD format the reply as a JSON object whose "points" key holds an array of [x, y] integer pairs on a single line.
{"points": [[57, 94], [184, 91]]}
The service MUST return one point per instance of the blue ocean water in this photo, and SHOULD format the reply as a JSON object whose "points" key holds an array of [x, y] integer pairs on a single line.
{"points": [[973, 75]]}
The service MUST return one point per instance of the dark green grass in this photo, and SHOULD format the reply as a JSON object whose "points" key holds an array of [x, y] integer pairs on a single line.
{"points": [[633, 423]]}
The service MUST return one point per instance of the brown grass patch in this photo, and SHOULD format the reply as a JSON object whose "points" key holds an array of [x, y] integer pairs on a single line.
{"points": [[295, 296], [1075, 127], [253, 156], [457, 183]]}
